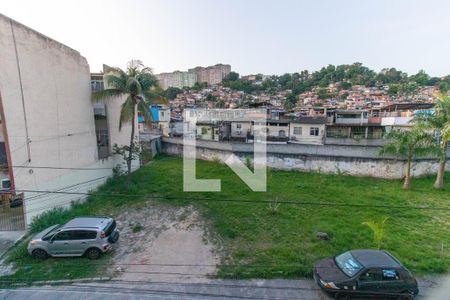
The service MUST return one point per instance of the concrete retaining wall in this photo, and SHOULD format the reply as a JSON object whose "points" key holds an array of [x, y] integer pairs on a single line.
{"points": [[352, 160]]}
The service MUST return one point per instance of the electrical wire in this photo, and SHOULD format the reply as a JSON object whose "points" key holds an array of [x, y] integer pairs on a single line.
{"points": [[330, 204]]}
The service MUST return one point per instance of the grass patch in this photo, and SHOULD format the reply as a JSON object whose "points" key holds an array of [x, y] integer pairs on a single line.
{"points": [[274, 239]]}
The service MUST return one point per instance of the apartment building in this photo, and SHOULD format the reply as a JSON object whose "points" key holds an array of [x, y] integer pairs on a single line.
{"points": [[47, 124], [176, 79], [212, 74]]}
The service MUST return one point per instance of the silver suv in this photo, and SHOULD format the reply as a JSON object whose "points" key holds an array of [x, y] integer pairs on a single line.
{"points": [[89, 236]]}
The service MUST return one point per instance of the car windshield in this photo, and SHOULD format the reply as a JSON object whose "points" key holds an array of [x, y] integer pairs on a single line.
{"points": [[348, 264], [50, 233]]}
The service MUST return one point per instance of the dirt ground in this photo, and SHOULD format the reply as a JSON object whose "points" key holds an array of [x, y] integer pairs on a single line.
{"points": [[163, 243]]}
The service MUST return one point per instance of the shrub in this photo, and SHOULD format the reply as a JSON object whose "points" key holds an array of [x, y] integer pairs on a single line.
{"points": [[136, 228], [49, 218], [248, 162], [216, 159], [273, 206]]}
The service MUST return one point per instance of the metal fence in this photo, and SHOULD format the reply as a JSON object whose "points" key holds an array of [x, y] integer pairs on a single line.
{"points": [[11, 212]]}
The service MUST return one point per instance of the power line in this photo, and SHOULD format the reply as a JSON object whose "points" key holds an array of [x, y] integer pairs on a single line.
{"points": [[331, 204], [33, 198], [56, 168]]}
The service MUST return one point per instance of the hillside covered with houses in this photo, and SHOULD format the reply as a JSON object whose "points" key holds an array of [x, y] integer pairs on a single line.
{"points": [[343, 104]]}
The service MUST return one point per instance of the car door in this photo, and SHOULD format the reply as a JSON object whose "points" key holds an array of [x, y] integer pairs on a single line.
{"points": [[370, 281], [82, 240], [59, 244], [392, 282]]}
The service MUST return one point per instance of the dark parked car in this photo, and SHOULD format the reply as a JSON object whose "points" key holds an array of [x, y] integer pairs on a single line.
{"points": [[365, 272]]}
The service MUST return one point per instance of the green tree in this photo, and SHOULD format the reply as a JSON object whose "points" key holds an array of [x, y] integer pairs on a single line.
{"points": [[439, 124], [140, 87], [172, 92], [421, 78], [393, 89], [232, 76], [211, 98], [443, 87], [291, 101], [409, 144]]}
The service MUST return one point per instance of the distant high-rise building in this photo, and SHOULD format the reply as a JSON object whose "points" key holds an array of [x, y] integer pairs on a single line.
{"points": [[212, 74], [176, 79]]}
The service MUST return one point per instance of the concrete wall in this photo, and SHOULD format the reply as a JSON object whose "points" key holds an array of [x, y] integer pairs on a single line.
{"points": [[45, 88], [352, 160], [355, 142]]}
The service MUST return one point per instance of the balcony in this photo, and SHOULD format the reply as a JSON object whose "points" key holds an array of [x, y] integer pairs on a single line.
{"points": [[375, 120], [351, 120]]}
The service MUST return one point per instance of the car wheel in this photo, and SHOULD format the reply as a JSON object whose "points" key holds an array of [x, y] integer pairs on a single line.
{"points": [[39, 254], [93, 253]]}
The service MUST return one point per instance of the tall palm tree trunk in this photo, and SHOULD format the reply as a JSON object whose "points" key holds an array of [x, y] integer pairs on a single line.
{"points": [[439, 183], [130, 153], [407, 182]]}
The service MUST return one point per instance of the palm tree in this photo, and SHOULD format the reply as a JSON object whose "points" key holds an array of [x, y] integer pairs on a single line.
{"points": [[141, 89], [439, 124], [378, 230], [409, 144]]}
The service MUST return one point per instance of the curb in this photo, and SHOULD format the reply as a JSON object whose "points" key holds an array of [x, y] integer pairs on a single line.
{"points": [[59, 282]]}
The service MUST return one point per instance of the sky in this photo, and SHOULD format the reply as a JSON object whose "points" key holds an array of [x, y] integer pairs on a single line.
{"points": [[253, 36]]}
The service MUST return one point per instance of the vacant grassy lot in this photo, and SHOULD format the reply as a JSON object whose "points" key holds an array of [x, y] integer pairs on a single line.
{"points": [[261, 242]]}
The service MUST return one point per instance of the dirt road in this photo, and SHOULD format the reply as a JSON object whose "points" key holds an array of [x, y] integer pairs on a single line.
{"points": [[163, 243]]}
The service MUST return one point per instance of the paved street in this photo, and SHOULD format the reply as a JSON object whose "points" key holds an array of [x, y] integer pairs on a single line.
{"points": [[217, 289], [211, 289]]}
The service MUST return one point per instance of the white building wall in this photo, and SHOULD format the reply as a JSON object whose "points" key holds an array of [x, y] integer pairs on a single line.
{"points": [[242, 131], [305, 137], [59, 116]]}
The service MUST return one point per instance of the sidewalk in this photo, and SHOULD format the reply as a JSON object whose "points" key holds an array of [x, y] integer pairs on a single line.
{"points": [[8, 239]]}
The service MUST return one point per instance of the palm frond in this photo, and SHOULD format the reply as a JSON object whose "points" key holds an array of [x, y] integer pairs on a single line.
{"points": [[144, 110], [133, 86], [377, 229], [155, 96], [126, 111], [412, 143], [105, 94], [147, 80], [446, 132], [117, 80]]}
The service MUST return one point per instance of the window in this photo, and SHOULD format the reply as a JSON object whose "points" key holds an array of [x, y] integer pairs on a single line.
{"points": [[390, 274], [110, 228], [371, 275], [204, 130], [298, 130], [348, 264], [84, 235], [238, 126], [281, 133], [63, 236], [50, 233], [314, 131]]}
